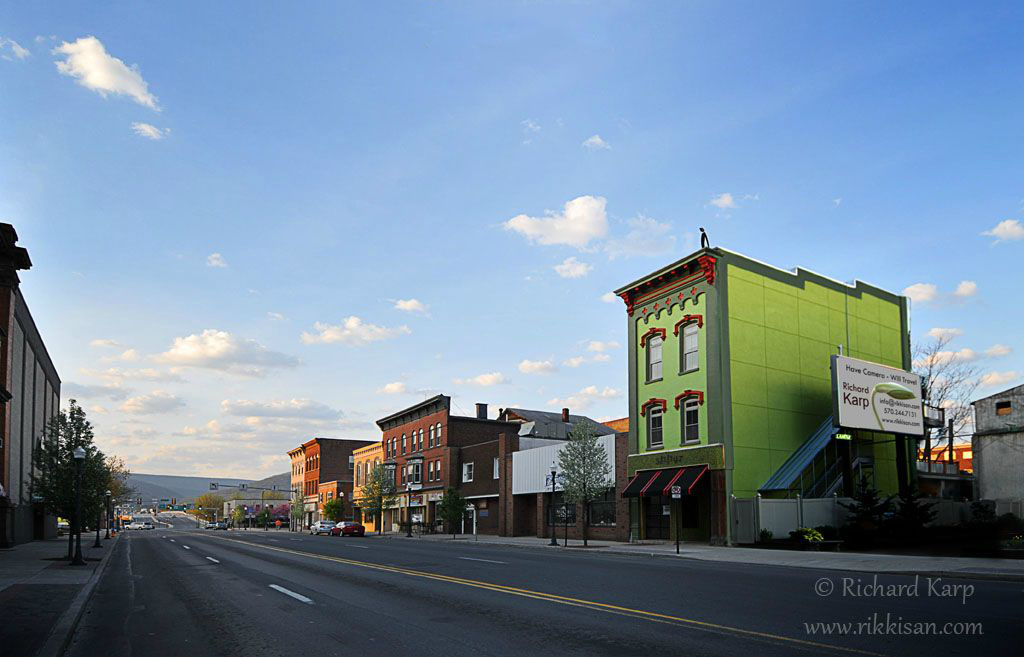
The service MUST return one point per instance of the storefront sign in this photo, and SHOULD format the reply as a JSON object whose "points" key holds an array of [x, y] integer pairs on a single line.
{"points": [[874, 397]]}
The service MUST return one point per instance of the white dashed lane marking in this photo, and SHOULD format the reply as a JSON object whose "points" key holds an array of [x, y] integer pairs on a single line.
{"points": [[212, 559], [186, 547], [300, 598], [484, 560]]}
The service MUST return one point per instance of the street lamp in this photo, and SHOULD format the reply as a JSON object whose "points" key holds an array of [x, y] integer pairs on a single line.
{"points": [[106, 506], [408, 506], [79, 456], [554, 473]]}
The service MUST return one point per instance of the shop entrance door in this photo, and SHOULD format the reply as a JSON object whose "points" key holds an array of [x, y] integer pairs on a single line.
{"points": [[656, 520]]}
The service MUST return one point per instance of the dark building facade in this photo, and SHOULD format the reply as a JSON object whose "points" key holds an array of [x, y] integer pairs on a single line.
{"points": [[29, 398]]}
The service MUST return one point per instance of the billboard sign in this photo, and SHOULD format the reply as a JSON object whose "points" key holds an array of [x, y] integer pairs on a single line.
{"points": [[875, 397]]}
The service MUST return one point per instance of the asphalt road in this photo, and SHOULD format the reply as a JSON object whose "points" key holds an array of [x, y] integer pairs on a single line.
{"points": [[180, 591]]}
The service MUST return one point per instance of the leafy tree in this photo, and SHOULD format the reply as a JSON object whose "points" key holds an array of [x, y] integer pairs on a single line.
{"points": [[585, 469], [298, 510], [912, 513], [334, 509], [378, 494], [238, 515], [117, 481], [452, 509], [208, 505], [263, 518], [53, 476], [868, 507]]}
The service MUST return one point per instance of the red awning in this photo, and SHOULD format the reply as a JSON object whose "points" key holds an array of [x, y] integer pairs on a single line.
{"points": [[655, 483]]}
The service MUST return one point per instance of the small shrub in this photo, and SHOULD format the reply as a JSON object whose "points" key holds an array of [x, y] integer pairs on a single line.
{"points": [[765, 536], [828, 532], [806, 535]]}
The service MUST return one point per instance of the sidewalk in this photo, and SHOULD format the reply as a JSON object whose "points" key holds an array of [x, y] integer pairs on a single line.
{"points": [[42, 594], [1002, 569]]}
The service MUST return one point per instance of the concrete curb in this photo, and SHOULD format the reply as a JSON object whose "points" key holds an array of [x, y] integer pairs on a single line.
{"points": [[858, 568], [64, 628]]}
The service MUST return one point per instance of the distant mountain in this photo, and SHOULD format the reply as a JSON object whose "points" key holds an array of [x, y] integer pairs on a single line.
{"points": [[283, 481], [149, 486]]}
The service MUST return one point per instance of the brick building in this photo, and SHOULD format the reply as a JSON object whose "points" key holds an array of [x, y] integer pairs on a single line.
{"points": [[323, 461], [29, 399], [366, 459], [430, 449]]}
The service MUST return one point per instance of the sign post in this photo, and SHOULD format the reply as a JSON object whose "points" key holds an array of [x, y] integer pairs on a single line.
{"points": [[677, 494]]}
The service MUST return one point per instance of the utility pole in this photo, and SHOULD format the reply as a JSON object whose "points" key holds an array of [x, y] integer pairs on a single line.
{"points": [[949, 432]]}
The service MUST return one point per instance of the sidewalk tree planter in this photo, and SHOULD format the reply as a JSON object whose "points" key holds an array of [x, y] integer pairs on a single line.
{"points": [[585, 470]]}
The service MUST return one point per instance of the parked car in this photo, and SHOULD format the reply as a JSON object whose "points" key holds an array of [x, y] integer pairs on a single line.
{"points": [[321, 527], [221, 524], [146, 524], [136, 524], [348, 528]]}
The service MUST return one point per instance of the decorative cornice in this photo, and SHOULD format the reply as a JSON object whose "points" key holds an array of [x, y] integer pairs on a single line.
{"points": [[664, 282], [651, 333], [686, 320], [690, 393], [653, 401], [707, 265]]}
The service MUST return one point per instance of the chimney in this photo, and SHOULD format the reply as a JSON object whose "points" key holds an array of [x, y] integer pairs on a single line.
{"points": [[565, 415], [481, 411]]}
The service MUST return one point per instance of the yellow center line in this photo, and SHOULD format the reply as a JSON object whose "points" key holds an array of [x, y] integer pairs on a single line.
{"points": [[561, 599]]}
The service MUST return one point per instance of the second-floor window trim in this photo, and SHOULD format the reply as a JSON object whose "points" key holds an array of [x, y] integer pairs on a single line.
{"points": [[467, 472], [655, 428], [655, 358], [689, 348]]}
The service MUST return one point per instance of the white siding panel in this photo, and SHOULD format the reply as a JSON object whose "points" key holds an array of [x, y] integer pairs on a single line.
{"points": [[531, 467]]}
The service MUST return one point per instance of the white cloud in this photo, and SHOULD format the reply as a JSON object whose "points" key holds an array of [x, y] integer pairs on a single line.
{"points": [[104, 342], [128, 355], [598, 345], [601, 358], [582, 219], [595, 143], [572, 268], [537, 367], [575, 361], [609, 297], [943, 357], [89, 63], [485, 380], [410, 306], [394, 388], [944, 333], [837, 201], [219, 350], [723, 201], [999, 378], [1006, 230], [216, 260], [585, 398], [966, 289], [352, 331], [647, 237], [998, 351], [112, 391], [157, 401], [149, 131], [279, 408], [530, 126], [277, 317], [144, 374], [16, 49], [921, 292]]}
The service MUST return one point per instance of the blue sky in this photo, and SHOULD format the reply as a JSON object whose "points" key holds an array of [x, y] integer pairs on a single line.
{"points": [[211, 194]]}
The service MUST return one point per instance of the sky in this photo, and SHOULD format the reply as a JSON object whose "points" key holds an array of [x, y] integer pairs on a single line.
{"points": [[253, 224]]}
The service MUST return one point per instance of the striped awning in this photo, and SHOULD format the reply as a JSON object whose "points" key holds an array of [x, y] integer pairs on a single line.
{"points": [[655, 483]]}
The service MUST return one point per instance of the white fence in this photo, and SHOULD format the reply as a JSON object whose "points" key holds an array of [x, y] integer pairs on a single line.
{"points": [[1016, 507], [750, 516]]}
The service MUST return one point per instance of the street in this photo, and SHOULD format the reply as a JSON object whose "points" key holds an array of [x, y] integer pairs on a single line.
{"points": [[178, 590]]}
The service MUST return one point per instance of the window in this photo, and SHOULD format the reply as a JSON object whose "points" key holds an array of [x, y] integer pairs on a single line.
{"points": [[438, 437], [654, 348], [403, 476], [691, 424], [438, 469], [415, 473], [688, 358], [467, 472], [654, 437], [602, 510], [421, 440], [403, 443], [430, 471], [430, 437], [1003, 408], [496, 471]]}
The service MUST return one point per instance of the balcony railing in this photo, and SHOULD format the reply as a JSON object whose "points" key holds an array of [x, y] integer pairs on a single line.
{"points": [[938, 467]]}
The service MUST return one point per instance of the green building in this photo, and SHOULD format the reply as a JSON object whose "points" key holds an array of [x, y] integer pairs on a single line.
{"points": [[730, 390]]}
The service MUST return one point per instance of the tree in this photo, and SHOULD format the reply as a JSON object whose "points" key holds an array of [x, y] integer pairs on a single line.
{"points": [[868, 507], [298, 510], [263, 518], [118, 478], [452, 509], [585, 469], [912, 513], [948, 380], [334, 509], [208, 505], [53, 475], [378, 494], [238, 515]]}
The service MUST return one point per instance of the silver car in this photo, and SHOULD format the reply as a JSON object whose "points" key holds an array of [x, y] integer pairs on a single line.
{"points": [[321, 527]]}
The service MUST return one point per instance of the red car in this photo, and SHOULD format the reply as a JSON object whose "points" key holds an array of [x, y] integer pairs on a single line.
{"points": [[348, 528]]}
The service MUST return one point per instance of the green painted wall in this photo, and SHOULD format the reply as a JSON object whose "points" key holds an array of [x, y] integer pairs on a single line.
{"points": [[782, 329], [672, 382]]}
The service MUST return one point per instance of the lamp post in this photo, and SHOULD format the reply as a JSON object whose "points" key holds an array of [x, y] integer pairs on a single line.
{"points": [[408, 506], [554, 473], [106, 507], [79, 456]]}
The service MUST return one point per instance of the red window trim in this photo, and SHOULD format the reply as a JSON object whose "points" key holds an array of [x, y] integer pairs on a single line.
{"points": [[652, 402], [653, 331], [686, 320], [689, 393]]}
